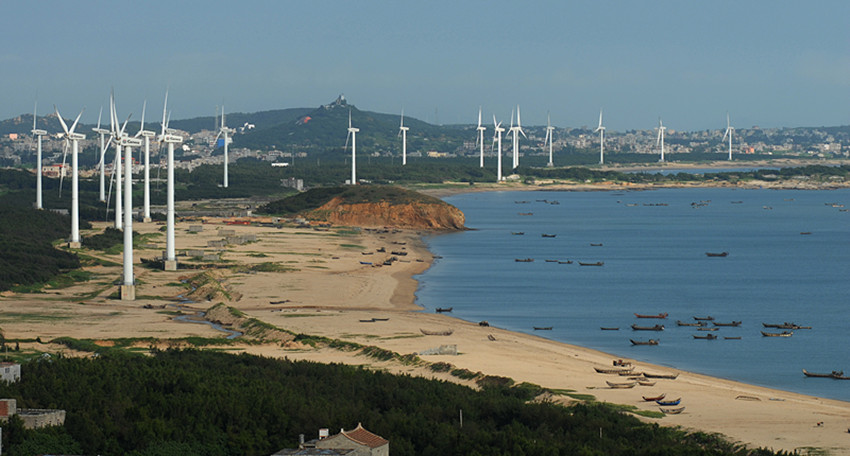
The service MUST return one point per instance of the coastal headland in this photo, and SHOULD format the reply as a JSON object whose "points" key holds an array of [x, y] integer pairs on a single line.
{"points": [[342, 283]]}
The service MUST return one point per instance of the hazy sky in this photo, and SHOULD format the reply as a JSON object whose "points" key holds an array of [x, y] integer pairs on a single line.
{"points": [[769, 63]]}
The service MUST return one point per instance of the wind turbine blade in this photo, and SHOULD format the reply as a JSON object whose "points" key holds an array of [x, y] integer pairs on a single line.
{"points": [[402, 118], [142, 126], [349, 119], [518, 121], [600, 118], [61, 121], [512, 118], [345, 147], [62, 172], [494, 122], [123, 127], [74, 125], [34, 114], [479, 116], [99, 115], [164, 108]]}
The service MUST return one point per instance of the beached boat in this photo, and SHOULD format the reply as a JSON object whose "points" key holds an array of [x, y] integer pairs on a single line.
{"points": [[708, 318], [669, 403], [621, 385], [644, 342], [733, 323], [833, 374], [648, 328], [654, 398], [542, 328], [785, 325], [671, 411], [446, 332], [645, 383], [666, 376], [606, 328], [609, 370], [444, 309], [696, 323], [782, 334], [705, 337], [661, 315], [367, 263], [524, 260], [717, 254], [370, 320], [381, 319], [598, 263]]}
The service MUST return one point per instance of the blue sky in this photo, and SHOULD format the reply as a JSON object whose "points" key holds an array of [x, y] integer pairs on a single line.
{"points": [[769, 63]]}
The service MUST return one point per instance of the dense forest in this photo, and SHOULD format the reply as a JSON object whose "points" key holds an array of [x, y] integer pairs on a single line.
{"points": [[211, 403]]}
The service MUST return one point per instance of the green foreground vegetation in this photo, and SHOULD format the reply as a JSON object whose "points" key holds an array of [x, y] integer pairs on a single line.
{"points": [[209, 403]]}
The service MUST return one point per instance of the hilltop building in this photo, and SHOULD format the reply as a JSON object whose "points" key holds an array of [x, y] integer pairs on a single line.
{"points": [[356, 442]]}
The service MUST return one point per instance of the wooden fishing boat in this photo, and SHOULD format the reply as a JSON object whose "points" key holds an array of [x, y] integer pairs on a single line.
{"points": [[566, 262], [551, 261], [548, 235], [524, 260], [644, 342], [669, 403], [596, 245], [517, 233], [598, 263], [447, 332], [525, 213], [444, 309], [833, 374], [705, 337], [366, 263], [370, 320], [636, 375], [785, 325], [661, 315], [609, 370], [733, 323], [717, 254], [672, 411], [732, 338], [621, 385], [381, 319], [648, 328], [702, 328], [645, 383], [708, 318], [542, 328], [695, 324], [606, 328], [665, 376], [654, 398], [782, 334]]}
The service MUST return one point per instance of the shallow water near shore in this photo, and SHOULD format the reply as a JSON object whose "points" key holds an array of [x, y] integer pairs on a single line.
{"points": [[789, 254]]}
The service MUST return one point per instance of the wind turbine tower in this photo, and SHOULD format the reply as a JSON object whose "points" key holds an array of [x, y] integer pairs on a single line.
{"points": [[74, 138], [481, 129], [514, 130], [402, 130], [102, 165], [549, 130], [352, 133], [660, 139], [729, 130], [497, 136], [37, 133], [224, 131], [165, 136], [601, 131], [147, 135], [117, 136]]}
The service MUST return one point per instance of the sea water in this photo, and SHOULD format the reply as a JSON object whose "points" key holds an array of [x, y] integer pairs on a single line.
{"points": [[788, 261]]}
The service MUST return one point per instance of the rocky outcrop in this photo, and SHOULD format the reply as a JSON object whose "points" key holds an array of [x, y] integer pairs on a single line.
{"points": [[421, 215]]}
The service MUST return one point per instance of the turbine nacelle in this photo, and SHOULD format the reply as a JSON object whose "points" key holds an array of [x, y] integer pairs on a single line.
{"points": [[130, 141]]}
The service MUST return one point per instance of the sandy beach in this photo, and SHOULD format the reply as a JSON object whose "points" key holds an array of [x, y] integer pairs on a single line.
{"points": [[318, 283]]}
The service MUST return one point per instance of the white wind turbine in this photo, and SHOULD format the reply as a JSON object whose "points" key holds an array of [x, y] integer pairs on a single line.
{"points": [[514, 130], [660, 139], [352, 133], [497, 136], [37, 133], [601, 131], [74, 138], [549, 137], [128, 286], [117, 134], [171, 139], [147, 135], [729, 131], [223, 132], [481, 129], [402, 131], [102, 164]]}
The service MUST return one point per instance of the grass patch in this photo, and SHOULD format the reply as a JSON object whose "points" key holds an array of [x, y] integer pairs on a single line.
{"points": [[352, 246], [634, 410], [258, 255], [32, 317]]}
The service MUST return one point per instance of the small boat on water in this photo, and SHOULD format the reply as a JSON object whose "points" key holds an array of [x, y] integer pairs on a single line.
{"points": [[598, 263], [654, 398], [805, 232], [833, 374], [717, 254], [524, 260], [444, 309], [596, 245], [548, 235], [551, 261], [672, 411], [708, 318], [542, 328], [705, 337], [782, 334], [621, 385], [732, 338], [644, 342], [517, 233], [609, 370], [648, 328], [785, 325], [566, 262], [661, 315], [733, 323], [606, 328], [696, 324], [667, 376], [525, 213], [669, 403]]}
